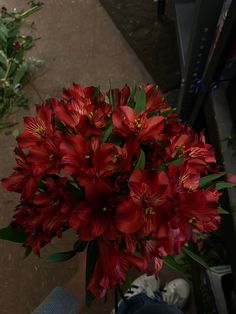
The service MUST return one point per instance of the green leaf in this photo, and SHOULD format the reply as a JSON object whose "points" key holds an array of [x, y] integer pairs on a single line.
{"points": [[74, 189], [196, 257], [14, 31], [20, 73], [224, 185], [15, 133], [131, 100], [166, 113], [11, 234], [96, 93], [2, 73], [27, 252], [141, 101], [208, 179], [3, 58], [176, 162], [92, 256], [80, 246], [171, 262], [107, 132], [222, 211], [61, 257], [111, 101], [141, 161], [3, 33]]}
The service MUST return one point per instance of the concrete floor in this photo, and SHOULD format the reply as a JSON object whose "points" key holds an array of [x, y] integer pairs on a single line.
{"points": [[78, 43]]}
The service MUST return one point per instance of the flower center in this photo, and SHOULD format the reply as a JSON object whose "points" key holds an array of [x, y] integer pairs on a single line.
{"points": [[192, 220], [137, 123], [149, 211], [37, 128], [90, 115], [114, 158], [50, 157], [55, 202]]}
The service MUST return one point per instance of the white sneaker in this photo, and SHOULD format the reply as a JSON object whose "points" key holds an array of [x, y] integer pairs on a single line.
{"points": [[143, 284], [176, 292]]}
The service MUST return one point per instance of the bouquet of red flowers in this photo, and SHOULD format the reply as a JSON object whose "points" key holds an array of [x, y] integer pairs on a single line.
{"points": [[122, 171]]}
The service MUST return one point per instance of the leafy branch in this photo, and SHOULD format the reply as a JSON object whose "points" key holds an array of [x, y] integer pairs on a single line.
{"points": [[13, 64]]}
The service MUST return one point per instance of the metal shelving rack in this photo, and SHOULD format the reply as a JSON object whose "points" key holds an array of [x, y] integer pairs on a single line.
{"points": [[196, 25]]}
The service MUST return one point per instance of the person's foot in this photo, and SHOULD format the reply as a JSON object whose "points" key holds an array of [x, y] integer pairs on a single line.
{"points": [[143, 284], [176, 292]]}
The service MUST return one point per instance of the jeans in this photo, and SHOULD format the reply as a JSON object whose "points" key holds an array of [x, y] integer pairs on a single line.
{"points": [[142, 304]]}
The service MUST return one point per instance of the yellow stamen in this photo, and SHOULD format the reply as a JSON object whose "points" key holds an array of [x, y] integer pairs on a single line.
{"points": [[137, 123], [104, 209], [149, 211], [40, 130], [90, 115], [192, 220], [87, 156], [115, 158], [55, 202], [50, 157]]}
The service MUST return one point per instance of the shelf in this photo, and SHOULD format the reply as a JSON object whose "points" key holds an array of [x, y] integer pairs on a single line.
{"points": [[184, 11], [220, 124]]}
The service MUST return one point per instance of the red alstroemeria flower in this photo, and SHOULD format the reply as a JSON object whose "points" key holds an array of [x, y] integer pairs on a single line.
{"points": [[181, 178], [127, 124], [110, 269], [151, 255], [154, 99], [48, 156], [193, 148], [37, 129], [28, 219], [57, 198], [119, 96], [82, 111], [148, 191], [47, 215], [82, 94], [179, 233], [199, 208], [95, 217], [25, 178], [231, 178], [90, 161]]}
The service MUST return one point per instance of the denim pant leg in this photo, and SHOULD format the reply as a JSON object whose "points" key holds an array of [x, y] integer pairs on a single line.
{"points": [[142, 304]]}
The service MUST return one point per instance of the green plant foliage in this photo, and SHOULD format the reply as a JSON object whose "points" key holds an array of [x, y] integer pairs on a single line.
{"points": [[80, 246], [197, 258], [11, 234], [61, 257], [224, 185], [27, 252], [141, 101], [107, 132], [131, 100], [212, 177], [171, 262], [222, 211], [13, 64], [92, 256], [141, 161]]}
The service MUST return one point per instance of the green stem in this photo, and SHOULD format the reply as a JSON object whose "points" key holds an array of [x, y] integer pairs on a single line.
{"points": [[8, 69], [30, 11]]}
